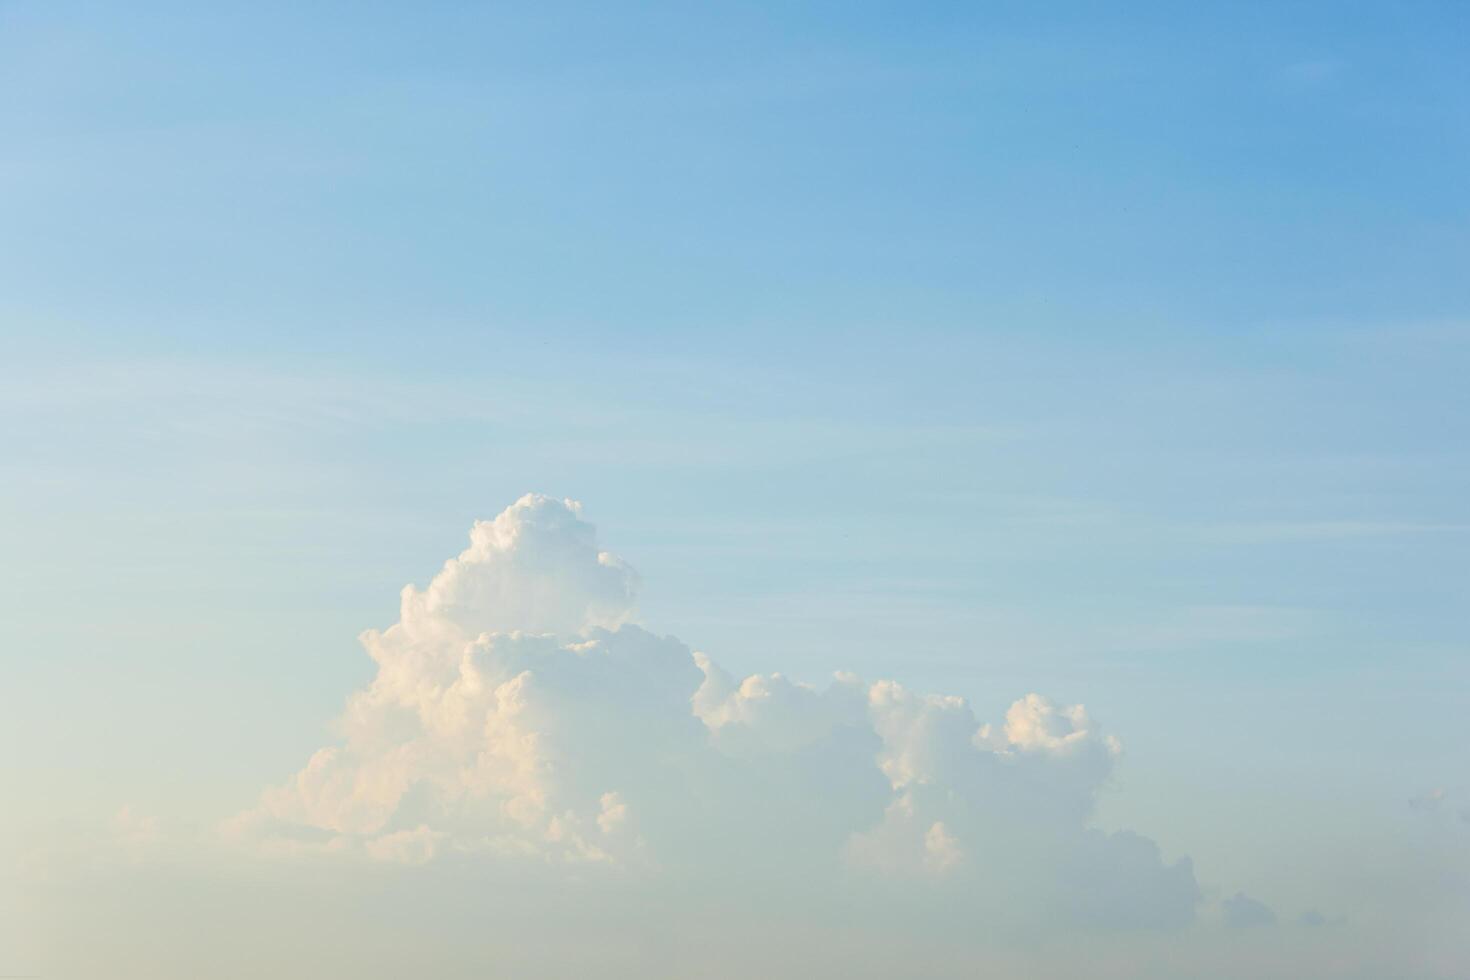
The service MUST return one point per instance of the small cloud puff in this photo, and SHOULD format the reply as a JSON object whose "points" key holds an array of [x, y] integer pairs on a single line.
{"points": [[1441, 804], [1430, 800], [1314, 919], [517, 715]]}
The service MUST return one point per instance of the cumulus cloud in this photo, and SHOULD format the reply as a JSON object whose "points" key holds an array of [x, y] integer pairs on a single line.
{"points": [[1243, 912], [519, 716]]}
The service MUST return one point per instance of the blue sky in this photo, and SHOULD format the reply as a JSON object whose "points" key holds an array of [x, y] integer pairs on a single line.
{"points": [[989, 348], [267, 177]]}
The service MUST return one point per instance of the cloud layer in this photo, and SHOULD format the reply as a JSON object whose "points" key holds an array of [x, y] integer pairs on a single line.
{"points": [[517, 716]]}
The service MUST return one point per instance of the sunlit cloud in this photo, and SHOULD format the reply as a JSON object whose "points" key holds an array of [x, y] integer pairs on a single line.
{"points": [[520, 715]]}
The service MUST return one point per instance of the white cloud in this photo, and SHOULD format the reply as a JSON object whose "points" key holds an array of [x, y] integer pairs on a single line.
{"points": [[535, 568], [517, 716]]}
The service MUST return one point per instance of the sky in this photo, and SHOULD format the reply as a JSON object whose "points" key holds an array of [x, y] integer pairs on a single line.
{"points": [[947, 488]]}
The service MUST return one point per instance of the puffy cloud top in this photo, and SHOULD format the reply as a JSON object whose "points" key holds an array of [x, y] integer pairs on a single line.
{"points": [[517, 716], [535, 568]]}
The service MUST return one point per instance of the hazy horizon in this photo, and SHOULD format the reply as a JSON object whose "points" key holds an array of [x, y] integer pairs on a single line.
{"points": [[803, 490]]}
